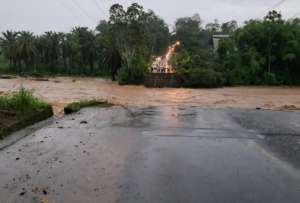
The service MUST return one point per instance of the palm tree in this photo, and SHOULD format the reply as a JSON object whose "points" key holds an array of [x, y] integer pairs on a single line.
{"points": [[26, 50], [53, 47], [41, 46], [65, 51], [90, 49], [87, 42], [8, 43], [71, 51]]}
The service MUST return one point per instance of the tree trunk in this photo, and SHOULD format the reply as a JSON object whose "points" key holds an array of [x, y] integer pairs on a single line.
{"points": [[91, 66], [10, 62]]}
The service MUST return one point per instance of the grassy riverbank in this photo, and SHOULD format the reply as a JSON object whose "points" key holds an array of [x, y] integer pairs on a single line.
{"points": [[20, 109]]}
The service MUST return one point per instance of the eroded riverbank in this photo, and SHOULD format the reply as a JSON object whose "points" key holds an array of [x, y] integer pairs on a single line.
{"points": [[63, 90]]}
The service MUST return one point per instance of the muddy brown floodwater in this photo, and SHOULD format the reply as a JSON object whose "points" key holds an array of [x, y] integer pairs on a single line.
{"points": [[63, 90]]}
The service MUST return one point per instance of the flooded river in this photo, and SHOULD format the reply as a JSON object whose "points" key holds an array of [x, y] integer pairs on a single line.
{"points": [[63, 90]]}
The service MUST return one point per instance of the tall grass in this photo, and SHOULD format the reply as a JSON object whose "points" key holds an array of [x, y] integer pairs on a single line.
{"points": [[21, 101]]}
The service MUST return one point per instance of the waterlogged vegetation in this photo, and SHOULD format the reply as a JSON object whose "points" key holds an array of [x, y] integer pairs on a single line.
{"points": [[261, 52], [77, 106]]}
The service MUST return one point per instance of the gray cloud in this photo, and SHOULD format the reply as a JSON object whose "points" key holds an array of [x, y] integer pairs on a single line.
{"points": [[62, 15]]}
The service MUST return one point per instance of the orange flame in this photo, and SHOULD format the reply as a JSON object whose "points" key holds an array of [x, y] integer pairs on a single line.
{"points": [[162, 64], [169, 55]]}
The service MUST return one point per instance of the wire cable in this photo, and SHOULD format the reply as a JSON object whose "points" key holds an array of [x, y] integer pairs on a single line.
{"points": [[297, 14], [75, 2], [98, 5], [69, 9], [273, 7], [278, 4]]}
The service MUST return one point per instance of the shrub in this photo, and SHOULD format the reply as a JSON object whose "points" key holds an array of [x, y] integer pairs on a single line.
{"points": [[235, 76], [124, 76], [202, 78], [270, 79], [134, 72]]}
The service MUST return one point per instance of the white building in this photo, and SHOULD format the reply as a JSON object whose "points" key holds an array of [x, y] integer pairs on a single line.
{"points": [[216, 39]]}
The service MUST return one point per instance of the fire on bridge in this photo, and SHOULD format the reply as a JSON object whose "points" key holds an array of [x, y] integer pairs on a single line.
{"points": [[162, 64]]}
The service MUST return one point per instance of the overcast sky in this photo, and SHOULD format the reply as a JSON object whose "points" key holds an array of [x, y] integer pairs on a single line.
{"points": [[61, 15]]}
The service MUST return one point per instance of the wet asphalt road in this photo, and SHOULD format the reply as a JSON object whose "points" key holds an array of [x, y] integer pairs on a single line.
{"points": [[157, 155]]}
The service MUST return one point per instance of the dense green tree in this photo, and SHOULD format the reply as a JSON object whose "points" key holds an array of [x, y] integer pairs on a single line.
{"points": [[263, 52], [135, 35], [8, 44], [109, 57], [195, 59], [190, 33], [157, 33]]}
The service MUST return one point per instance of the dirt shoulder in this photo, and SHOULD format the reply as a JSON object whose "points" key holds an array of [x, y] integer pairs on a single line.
{"points": [[11, 121], [61, 91]]}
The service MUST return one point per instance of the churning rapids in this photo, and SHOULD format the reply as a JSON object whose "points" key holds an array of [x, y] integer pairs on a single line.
{"points": [[63, 90]]}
